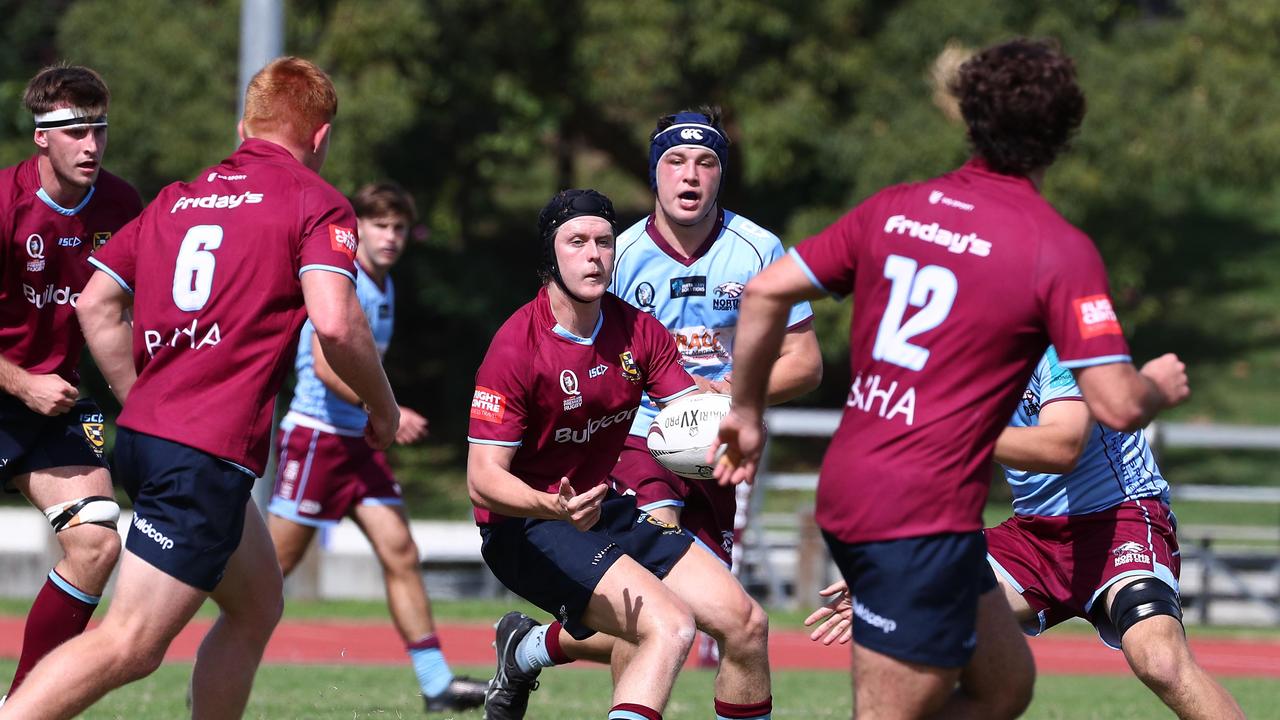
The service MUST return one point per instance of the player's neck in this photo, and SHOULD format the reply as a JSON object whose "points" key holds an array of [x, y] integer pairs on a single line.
{"points": [[578, 318], [65, 194], [376, 274], [686, 239]]}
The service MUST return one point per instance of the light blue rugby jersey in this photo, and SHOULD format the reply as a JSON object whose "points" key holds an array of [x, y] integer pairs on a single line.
{"points": [[310, 396], [1114, 467], [695, 298]]}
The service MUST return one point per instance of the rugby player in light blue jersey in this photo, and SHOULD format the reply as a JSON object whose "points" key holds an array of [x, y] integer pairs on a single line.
{"points": [[327, 471], [1092, 536], [686, 264]]}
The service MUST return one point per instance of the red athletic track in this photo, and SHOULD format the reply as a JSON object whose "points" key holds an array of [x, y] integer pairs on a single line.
{"points": [[470, 644]]}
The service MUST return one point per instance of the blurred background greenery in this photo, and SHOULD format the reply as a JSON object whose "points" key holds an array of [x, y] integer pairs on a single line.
{"points": [[483, 109]]}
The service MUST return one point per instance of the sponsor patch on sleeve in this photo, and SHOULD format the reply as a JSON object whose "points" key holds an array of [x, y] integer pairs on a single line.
{"points": [[1096, 316], [343, 240], [488, 405]]}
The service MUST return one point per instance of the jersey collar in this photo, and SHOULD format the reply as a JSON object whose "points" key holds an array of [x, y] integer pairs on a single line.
{"points": [[664, 246]]}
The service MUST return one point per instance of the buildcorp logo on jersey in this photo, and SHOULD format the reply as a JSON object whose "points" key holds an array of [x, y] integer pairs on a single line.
{"points": [[143, 526], [595, 425]]}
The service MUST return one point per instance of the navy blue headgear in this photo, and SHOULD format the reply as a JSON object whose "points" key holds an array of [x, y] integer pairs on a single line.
{"points": [[565, 206], [689, 128]]}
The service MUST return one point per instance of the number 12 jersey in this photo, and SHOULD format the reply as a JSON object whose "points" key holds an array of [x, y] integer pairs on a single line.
{"points": [[959, 285]]}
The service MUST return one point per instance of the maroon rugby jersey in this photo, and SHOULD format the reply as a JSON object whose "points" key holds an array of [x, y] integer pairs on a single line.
{"points": [[44, 268], [959, 284], [567, 402], [214, 266]]}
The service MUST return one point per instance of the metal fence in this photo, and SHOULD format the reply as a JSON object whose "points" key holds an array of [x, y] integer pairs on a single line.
{"points": [[1219, 570]]}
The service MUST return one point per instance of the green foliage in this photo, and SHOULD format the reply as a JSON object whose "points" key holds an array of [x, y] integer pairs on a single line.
{"points": [[483, 109]]}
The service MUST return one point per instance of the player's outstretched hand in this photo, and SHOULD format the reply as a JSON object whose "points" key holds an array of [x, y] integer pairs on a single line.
{"points": [[836, 616], [48, 394], [736, 451], [413, 426], [381, 430], [1170, 377], [581, 510]]}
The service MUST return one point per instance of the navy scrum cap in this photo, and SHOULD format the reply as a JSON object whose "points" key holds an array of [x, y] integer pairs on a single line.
{"points": [[565, 206], [689, 128]]}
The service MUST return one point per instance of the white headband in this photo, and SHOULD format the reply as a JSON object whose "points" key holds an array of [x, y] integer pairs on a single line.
{"points": [[67, 118]]}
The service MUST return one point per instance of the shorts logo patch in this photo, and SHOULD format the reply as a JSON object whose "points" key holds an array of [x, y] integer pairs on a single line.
{"points": [[600, 555], [1131, 552], [488, 405], [343, 240], [667, 528], [875, 620], [145, 527], [1096, 316], [309, 507], [93, 432], [629, 369]]}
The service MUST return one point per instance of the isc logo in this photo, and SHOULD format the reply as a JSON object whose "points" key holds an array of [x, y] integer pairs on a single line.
{"points": [[691, 134]]}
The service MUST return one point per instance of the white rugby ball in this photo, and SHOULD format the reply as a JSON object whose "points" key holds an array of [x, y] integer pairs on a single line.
{"points": [[683, 431]]}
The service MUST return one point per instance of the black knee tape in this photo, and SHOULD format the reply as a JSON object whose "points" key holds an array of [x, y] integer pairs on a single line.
{"points": [[1139, 600]]}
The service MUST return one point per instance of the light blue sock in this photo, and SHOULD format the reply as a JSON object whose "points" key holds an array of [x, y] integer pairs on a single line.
{"points": [[531, 653], [433, 672]]}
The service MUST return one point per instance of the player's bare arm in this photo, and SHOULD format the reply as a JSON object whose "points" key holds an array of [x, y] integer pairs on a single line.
{"points": [[1054, 445], [1126, 399], [799, 366], [345, 338], [761, 326], [413, 426], [103, 312], [45, 394], [493, 487]]}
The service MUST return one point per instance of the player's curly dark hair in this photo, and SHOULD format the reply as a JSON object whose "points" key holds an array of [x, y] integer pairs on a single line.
{"points": [[1021, 103]]}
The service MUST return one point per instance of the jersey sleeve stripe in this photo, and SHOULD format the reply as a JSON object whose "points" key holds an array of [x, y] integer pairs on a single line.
{"points": [[327, 268], [804, 267], [103, 267], [669, 502], [680, 394], [802, 323], [1090, 362], [503, 443], [1051, 401]]}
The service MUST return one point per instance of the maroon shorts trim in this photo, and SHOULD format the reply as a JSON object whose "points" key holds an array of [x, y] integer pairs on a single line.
{"points": [[1063, 565], [707, 510], [321, 477]]}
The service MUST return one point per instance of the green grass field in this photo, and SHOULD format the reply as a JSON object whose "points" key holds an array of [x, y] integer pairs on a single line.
{"points": [[326, 691]]}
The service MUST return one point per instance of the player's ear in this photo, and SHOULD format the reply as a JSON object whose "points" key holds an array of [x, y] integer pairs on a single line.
{"points": [[240, 131], [320, 140], [41, 139]]}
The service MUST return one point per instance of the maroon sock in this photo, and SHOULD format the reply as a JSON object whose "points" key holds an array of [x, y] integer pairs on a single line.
{"points": [[427, 642], [552, 641], [61, 611], [748, 711], [629, 711]]}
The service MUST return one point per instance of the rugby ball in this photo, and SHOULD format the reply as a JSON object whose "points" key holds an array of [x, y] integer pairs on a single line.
{"points": [[683, 431]]}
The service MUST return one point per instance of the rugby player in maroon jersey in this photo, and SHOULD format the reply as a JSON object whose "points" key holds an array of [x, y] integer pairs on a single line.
{"points": [[959, 283], [220, 273], [55, 209]]}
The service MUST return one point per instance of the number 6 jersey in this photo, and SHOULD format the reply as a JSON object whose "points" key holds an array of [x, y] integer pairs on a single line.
{"points": [[959, 285], [214, 267]]}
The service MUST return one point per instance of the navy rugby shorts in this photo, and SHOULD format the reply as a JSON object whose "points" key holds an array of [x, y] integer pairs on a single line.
{"points": [[30, 441], [188, 506], [916, 599], [555, 566]]}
